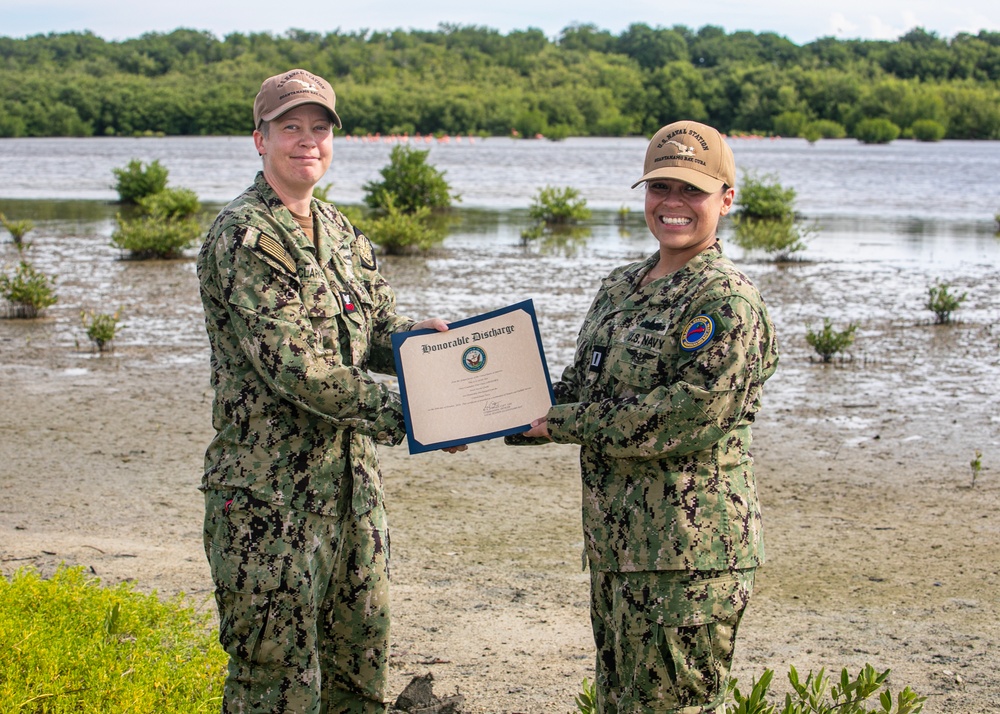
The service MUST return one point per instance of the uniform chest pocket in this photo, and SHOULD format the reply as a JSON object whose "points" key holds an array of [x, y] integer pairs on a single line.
{"points": [[318, 300], [322, 307], [635, 363]]}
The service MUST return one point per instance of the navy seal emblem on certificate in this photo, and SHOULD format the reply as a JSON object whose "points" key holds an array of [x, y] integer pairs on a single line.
{"points": [[474, 358], [484, 378]]}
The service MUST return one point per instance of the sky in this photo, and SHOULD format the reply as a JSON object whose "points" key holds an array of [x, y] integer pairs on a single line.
{"points": [[800, 21]]}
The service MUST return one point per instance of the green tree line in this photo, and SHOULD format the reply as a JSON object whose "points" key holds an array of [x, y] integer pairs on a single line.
{"points": [[476, 80]]}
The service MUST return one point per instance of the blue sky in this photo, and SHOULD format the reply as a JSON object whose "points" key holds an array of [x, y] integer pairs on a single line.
{"points": [[799, 20]]}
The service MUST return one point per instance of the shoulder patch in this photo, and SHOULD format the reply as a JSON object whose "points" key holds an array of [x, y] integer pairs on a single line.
{"points": [[366, 251], [697, 333], [274, 249]]}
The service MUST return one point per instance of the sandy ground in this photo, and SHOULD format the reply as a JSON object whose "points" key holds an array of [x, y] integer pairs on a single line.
{"points": [[880, 548]]}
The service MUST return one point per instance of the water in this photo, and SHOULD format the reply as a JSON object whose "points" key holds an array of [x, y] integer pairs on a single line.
{"points": [[948, 181], [890, 221]]}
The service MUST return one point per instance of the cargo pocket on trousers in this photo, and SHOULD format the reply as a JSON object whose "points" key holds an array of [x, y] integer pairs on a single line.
{"points": [[689, 625], [245, 588]]}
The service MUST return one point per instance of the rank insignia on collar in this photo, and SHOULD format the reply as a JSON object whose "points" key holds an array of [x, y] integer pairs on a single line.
{"points": [[697, 333], [597, 358], [366, 251], [347, 300]]}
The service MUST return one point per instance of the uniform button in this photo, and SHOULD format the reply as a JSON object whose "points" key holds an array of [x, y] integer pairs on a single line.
{"points": [[382, 436]]}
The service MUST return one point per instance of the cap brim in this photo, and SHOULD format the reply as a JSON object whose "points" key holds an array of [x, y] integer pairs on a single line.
{"points": [[706, 183], [291, 105]]}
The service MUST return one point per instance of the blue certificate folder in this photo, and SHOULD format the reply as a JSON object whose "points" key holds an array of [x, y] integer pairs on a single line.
{"points": [[484, 378]]}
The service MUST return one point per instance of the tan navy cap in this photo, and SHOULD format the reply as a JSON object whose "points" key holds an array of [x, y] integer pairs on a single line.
{"points": [[291, 89], [691, 152]]}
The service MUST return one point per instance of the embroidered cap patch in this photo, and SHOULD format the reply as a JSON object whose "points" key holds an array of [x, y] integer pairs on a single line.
{"points": [[697, 333]]}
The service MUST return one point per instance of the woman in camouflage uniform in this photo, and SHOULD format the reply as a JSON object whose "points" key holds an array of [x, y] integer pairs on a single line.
{"points": [[664, 386], [297, 315]]}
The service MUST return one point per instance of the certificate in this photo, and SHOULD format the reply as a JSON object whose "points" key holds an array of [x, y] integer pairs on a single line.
{"points": [[484, 378]]}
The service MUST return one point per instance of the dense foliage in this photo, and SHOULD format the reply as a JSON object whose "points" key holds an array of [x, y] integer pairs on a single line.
{"points": [[409, 183], [70, 645], [165, 221], [469, 79], [135, 181]]}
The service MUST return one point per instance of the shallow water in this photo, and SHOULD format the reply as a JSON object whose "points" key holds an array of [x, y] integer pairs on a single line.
{"points": [[890, 222], [948, 181]]}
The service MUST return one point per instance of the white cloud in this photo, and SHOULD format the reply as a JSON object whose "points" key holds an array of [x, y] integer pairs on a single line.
{"points": [[839, 26]]}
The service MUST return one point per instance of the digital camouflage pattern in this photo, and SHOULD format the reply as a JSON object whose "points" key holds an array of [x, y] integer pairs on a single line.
{"points": [[668, 481], [664, 386], [293, 336], [303, 605], [295, 523], [665, 639]]}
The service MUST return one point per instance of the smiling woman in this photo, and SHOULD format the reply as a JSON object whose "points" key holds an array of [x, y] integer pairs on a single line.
{"points": [[297, 314], [666, 380], [296, 148]]}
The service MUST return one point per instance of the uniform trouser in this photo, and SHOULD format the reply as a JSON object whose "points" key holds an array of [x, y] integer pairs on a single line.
{"points": [[303, 606], [665, 639]]}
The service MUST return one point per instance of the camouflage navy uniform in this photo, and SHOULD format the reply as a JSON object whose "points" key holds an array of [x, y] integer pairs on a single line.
{"points": [[295, 529], [665, 383]]}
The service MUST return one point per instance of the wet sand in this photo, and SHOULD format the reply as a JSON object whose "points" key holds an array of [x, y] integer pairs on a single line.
{"points": [[880, 549]]}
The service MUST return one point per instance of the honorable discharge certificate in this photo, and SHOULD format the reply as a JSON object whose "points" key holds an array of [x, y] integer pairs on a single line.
{"points": [[485, 377]]}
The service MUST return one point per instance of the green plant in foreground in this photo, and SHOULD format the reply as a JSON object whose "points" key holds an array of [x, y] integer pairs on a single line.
{"points": [[586, 700], [170, 204], [28, 290], [812, 696], [942, 303], [17, 229], [155, 237], [71, 645], [815, 696], [830, 342], [976, 465], [765, 218], [136, 181], [167, 225], [100, 327]]}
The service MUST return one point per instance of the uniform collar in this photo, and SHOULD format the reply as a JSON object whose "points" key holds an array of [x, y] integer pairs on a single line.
{"points": [[281, 214], [627, 283]]}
